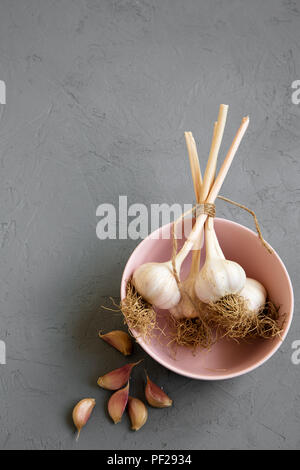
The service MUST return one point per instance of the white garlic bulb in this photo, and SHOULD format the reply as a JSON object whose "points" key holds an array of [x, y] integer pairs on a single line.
{"points": [[218, 276], [255, 294], [187, 307], [156, 283]]}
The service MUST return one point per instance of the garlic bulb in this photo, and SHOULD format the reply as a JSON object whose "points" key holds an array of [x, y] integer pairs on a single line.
{"points": [[218, 276], [255, 294], [187, 307], [156, 283]]}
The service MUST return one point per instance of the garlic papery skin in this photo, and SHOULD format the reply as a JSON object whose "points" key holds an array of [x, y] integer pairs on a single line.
{"points": [[156, 283], [255, 294], [218, 276]]}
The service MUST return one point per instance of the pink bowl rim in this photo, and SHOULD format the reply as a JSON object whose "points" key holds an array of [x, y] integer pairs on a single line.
{"points": [[199, 376]]}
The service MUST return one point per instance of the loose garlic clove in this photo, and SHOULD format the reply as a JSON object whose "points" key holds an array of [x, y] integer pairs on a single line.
{"points": [[116, 378], [138, 413], [117, 404], [155, 396], [218, 276], [155, 282], [119, 340], [255, 294], [81, 413]]}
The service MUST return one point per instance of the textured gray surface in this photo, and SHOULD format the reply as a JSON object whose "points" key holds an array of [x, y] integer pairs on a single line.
{"points": [[99, 93]]}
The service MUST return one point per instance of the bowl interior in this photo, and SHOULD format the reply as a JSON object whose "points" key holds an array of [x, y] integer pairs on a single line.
{"points": [[226, 358]]}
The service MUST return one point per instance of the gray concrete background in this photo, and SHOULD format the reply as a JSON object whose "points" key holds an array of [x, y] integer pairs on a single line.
{"points": [[99, 93]]}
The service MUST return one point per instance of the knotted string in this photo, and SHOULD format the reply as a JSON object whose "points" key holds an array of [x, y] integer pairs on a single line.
{"points": [[210, 210], [205, 208]]}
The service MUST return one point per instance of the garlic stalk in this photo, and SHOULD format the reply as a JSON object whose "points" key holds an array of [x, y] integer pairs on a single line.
{"points": [[255, 294], [188, 304], [155, 282], [218, 276], [189, 307]]}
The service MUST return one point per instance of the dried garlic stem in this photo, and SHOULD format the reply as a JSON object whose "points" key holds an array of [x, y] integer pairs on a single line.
{"points": [[214, 191]]}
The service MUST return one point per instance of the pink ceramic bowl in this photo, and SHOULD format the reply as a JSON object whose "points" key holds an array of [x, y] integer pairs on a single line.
{"points": [[226, 359]]}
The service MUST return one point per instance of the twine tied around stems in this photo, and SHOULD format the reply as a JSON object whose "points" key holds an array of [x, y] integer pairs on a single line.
{"points": [[210, 210]]}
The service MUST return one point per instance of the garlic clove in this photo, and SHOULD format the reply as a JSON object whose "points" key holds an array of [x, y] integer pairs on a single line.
{"points": [[155, 282], [81, 413], [255, 294], [119, 340], [155, 396], [116, 378], [138, 413], [117, 404]]}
